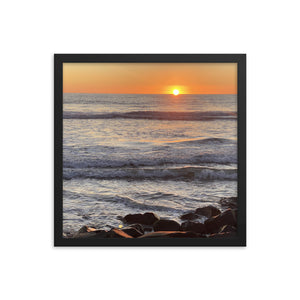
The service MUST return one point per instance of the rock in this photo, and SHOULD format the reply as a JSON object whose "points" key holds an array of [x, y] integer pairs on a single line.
{"points": [[82, 230], [132, 231], [229, 202], [138, 227], [171, 234], [193, 226], [118, 233], [227, 228], [89, 232], [228, 217], [208, 211], [147, 218], [189, 216], [67, 235], [133, 218], [85, 229], [163, 225]]}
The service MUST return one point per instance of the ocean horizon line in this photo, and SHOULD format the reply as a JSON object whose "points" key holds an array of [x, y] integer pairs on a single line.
{"points": [[83, 93]]}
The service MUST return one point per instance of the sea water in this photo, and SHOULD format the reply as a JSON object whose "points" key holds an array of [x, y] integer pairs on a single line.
{"points": [[126, 153]]}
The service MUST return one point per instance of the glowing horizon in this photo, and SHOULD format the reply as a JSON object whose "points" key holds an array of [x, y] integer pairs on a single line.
{"points": [[150, 78]]}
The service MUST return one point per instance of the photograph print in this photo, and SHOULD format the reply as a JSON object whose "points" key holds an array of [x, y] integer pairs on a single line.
{"points": [[148, 151]]}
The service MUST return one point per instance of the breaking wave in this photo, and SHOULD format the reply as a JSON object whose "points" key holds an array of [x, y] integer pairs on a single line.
{"points": [[155, 115], [148, 162], [179, 173]]}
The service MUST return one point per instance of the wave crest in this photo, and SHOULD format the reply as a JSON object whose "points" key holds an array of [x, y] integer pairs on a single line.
{"points": [[180, 173], [149, 162], [155, 115]]}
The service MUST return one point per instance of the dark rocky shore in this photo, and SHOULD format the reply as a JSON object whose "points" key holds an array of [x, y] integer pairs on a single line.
{"points": [[217, 224]]}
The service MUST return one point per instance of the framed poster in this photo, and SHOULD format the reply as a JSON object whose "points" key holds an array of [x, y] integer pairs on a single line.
{"points": [[150, 149]]}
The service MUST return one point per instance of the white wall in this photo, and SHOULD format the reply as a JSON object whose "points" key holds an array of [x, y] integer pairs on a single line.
{"points": [[32, 31]]}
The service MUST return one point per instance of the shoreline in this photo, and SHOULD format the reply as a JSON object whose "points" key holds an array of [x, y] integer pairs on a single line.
{"points": [[217, 224]]}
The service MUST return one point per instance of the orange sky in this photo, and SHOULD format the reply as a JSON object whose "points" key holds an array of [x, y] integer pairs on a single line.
{"points": [[150, 78]]}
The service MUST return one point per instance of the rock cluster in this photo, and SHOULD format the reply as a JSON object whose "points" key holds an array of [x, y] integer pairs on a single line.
{"points": [[206, 211], [217, 224]]}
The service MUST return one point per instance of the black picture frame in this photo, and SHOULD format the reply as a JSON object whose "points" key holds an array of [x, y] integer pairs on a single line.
{"points": [[59, 59]]}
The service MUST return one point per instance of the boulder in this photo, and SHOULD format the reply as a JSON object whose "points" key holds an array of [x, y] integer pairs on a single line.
{"points": [[229, 202], [147, 218], [171, 234], [193, 226], [227, 228], [133, 218], [163, 225], [208, 211], [118, 233], [228, 217], [138, 227], [89, 232], [189, 216], [132, 231], [84, 229]]}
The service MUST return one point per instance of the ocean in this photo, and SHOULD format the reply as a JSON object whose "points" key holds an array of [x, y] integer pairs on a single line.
{"points": [[131, 153]]}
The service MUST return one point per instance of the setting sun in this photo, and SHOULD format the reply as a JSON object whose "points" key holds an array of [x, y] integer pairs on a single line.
{"points": [[175, 92], [150, 78]]}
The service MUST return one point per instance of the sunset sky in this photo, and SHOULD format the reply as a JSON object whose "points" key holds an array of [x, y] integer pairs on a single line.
{"points": [[150, 78]]}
